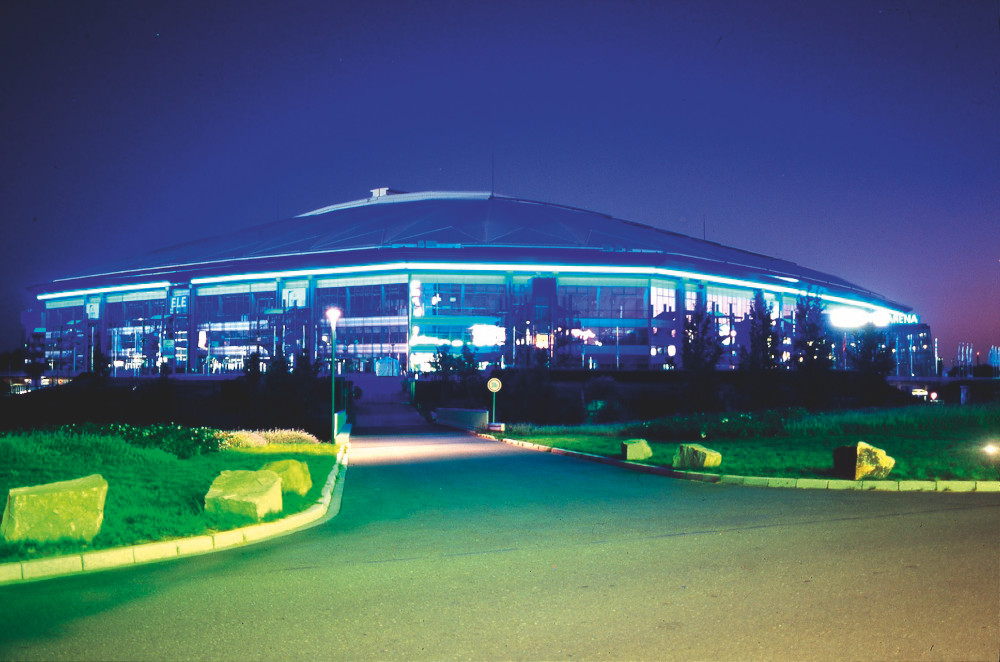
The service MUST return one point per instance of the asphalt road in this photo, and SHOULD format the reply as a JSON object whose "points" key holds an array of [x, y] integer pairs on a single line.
{"points": [[450, 547]]}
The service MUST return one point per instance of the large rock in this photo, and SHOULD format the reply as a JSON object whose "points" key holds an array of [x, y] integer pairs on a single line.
{"points": [[252, 494], [696, 456], [294, 475], [861, 461], [70, 509], [636, 449]]}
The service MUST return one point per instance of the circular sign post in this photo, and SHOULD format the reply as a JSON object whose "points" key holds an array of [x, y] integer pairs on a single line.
{"points": [[494, 385]]}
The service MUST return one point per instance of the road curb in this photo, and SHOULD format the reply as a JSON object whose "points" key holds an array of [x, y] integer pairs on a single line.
{"points": [[765, 481], [325, 508]]}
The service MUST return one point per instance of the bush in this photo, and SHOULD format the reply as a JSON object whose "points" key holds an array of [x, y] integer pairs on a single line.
{"points": [[178, 440], [243, 439], [769, 423], [908, 419], [258, 439], [290, 436]]}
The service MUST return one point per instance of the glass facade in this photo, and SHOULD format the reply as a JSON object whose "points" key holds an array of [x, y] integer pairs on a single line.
{"points": [[394, 322], [913, 347]]}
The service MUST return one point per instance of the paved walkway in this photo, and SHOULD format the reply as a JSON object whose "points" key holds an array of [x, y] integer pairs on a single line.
{"points": [[451, 547]]}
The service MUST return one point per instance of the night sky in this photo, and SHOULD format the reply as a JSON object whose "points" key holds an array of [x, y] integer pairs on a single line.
{"points": [[857, 138]]}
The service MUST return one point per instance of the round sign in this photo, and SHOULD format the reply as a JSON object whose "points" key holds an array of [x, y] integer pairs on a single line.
{"points": [[493, 385]]}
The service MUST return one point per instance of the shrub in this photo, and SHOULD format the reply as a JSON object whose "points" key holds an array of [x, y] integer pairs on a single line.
{"points": [[243, 439], [289, 437], [178, 440]]}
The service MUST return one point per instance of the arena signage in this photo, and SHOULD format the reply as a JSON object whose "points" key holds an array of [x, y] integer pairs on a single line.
{"points": [[903, 318]]}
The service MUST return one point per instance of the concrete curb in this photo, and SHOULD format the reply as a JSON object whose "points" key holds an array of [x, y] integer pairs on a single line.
{"points": [[325, 508], [764, 481]]}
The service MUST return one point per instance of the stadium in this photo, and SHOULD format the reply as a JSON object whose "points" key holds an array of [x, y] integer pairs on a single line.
{"points": [[508, 280]]}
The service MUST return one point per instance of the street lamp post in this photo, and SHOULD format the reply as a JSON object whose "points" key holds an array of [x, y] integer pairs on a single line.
{"points": [[333, 314]]}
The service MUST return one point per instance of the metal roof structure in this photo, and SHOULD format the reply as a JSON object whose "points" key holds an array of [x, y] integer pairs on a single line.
{"points": [[473, 228]]}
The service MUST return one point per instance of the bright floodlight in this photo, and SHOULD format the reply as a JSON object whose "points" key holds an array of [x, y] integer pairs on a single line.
{"points": [[991, 449], [333, 314], [849, 318]]}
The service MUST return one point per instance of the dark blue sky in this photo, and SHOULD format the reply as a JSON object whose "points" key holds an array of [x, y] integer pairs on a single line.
{"points": [[857, 138]]}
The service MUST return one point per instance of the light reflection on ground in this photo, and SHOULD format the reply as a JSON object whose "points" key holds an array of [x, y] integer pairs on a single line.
{"points": [[408, 450]]}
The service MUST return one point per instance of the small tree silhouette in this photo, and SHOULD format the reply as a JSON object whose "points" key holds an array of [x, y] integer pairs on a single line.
{"points": [[811, 348], [761, 352], [870, 354], [702, 347]]}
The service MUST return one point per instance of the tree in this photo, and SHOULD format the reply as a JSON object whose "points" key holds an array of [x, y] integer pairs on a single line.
{"points": [[252, 370], [762, 350], [101, 362], [702, 347], [305, 370], [870, 354], [811, 348], [277, 377], [448, 366], [444, 365]]}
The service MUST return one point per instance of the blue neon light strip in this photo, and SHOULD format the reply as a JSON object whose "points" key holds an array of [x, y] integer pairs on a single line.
{"points": [[556, 268], [103, 290]]}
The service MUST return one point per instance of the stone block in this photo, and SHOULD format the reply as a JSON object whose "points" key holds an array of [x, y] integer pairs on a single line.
{"points": [[225, 539], [880, 485], [268, 530], [755, 481], [728, 479], [700, 476], [252, 494], [812, 483], [195, 545], [781, 482], [302, 519], [294, 475], [155, 551], [956, 486], [69, 509], [696, 456], [636, 450], [10, 572], [59, 565], [861, 461], [107, 558], [988, 485], [844, 485], [917, 486]]}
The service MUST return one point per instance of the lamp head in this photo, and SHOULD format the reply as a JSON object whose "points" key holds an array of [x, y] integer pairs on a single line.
{"points": [[333, 314]]}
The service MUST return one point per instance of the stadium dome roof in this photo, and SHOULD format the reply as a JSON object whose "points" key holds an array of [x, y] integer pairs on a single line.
{"points": [[460, 227]]}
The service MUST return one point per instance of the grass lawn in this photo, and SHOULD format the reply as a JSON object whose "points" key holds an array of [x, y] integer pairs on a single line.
{"points": [[152, 494], [928, 443]]}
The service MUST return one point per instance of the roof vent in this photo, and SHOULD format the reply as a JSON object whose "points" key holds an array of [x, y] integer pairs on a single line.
{"points": [[384, 192]]}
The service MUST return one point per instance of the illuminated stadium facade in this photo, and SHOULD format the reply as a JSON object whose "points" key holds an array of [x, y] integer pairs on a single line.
{"points": [[411, 272]]}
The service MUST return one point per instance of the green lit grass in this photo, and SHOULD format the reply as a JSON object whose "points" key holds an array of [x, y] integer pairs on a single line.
{"points": [[928, 443], [152, 495]]}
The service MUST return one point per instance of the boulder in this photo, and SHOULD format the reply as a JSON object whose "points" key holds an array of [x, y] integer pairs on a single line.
{"points": [[252, 494], [70, 509], [294, 475], [696, 456], [861, 461], [636, 449]]}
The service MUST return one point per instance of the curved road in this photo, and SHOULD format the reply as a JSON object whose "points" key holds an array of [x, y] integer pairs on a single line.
{"points": [[450, 547]]}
